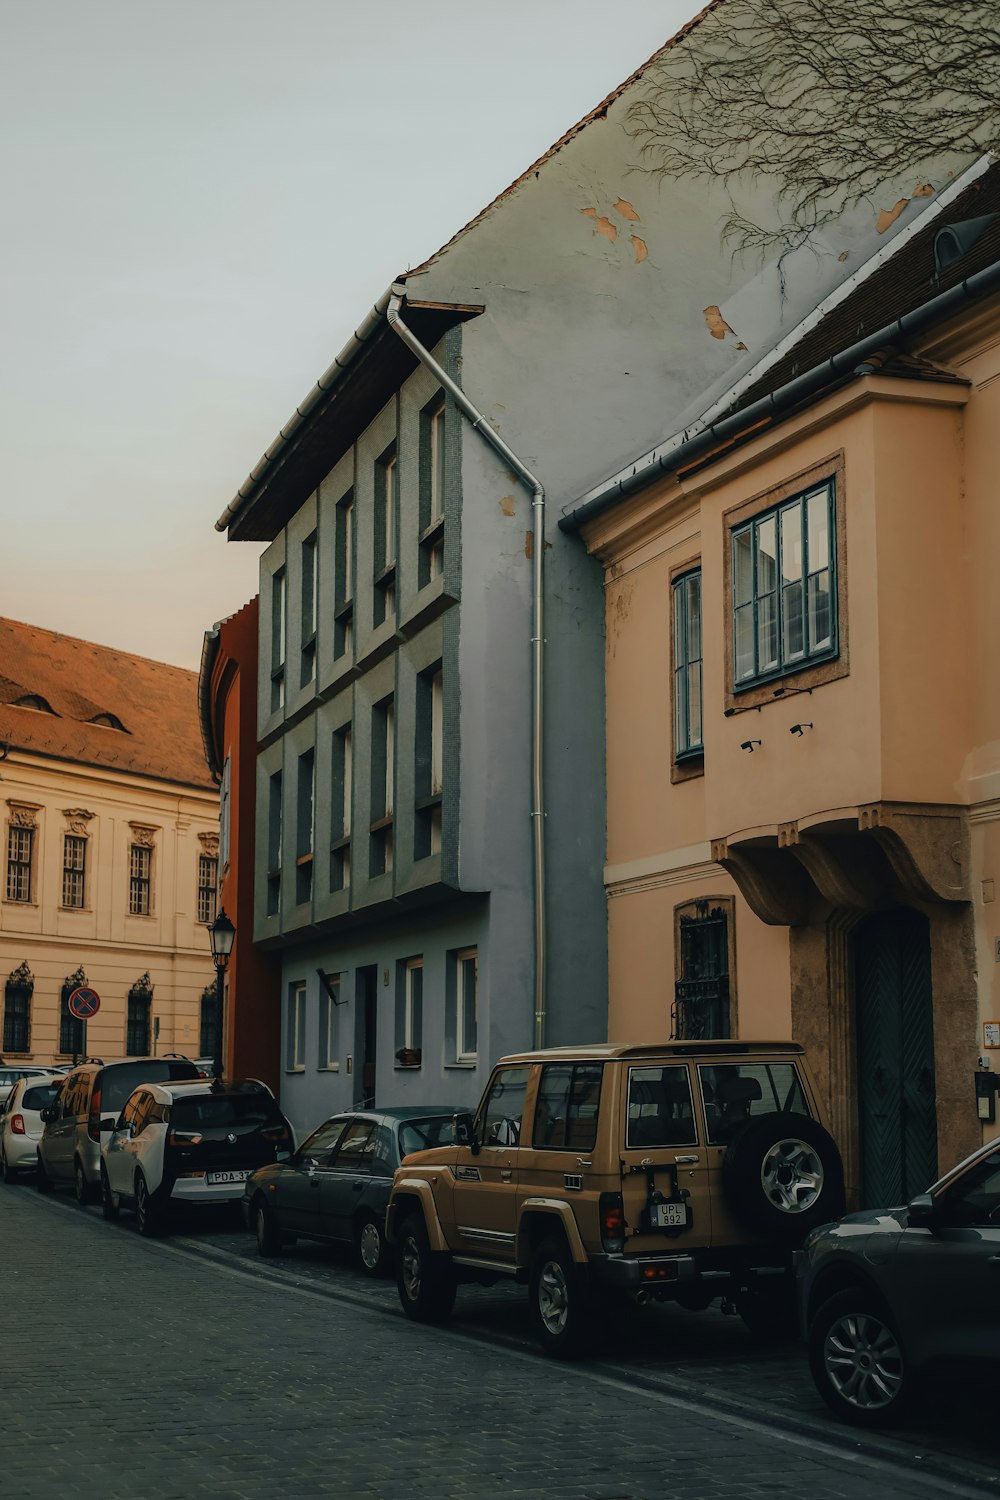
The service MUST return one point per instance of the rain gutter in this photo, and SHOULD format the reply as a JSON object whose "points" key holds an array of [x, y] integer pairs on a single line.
{"points": [[537, 491], [324, 385], [729, 429]]}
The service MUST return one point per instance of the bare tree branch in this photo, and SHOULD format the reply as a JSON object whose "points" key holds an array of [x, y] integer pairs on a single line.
{"points": [[827, 99]]}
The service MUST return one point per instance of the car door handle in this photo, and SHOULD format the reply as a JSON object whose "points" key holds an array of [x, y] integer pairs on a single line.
{"points": [[356, 1187], [506, 1174], [687, 1161]]}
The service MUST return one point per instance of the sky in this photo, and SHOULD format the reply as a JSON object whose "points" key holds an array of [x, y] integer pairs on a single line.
{"points": [[201, 200]]}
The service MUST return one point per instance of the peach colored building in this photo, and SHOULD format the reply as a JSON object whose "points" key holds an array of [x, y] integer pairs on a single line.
{"points": [[803, 709], [110, 849]]}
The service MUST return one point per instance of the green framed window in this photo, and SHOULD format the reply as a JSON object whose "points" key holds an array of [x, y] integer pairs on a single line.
{"points": [[687, 666], [784, 588]]}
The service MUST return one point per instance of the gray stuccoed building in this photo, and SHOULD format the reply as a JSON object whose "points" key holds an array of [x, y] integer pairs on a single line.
{"points": [[430, 789]]}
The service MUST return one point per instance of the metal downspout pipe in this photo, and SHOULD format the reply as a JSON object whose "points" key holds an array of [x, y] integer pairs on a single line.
{"points": [[529, 481]]}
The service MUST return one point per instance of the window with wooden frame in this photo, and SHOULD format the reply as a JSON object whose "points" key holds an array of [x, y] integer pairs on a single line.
{"points": [[74, 871], [140, 882], [784, 587], [687, 664], [208, 887], [20, 859]]}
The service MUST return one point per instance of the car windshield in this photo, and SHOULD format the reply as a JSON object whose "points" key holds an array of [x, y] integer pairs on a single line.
{"points": [[422, 1134], [215, 1111], [118, 1082], [39, 1096]]}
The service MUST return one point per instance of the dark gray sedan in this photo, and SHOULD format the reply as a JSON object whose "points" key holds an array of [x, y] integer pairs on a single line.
{"points": [[337, 1184], [887, 1295]]}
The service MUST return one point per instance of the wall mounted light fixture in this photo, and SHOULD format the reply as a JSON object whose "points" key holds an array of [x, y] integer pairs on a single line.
{"points": [[799, 729], [749, 745]]}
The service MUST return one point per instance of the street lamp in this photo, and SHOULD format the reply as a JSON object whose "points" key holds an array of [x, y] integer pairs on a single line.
{"points": [[223, 934]]}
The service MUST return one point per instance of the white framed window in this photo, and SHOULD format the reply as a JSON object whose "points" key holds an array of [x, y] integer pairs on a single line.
{"points": [[437, 739], [409, 1012], [436, 476], [389, 495], [389, 758], [208, 886], [295, 1028], [467, 1005], [328, 1051]]}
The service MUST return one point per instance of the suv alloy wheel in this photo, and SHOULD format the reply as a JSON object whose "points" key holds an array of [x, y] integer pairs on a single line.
{"points": [[857, 1361], [567, 1319], [783, 1175], [427, 1282]]}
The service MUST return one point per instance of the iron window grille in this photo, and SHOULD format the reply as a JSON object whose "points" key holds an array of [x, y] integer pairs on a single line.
{"points": [[208, 888], [137, 1030], [70, 1029], [140, 880], [784, 588], [17, 1010], [20, 847], [701, 994], [687, 666]]}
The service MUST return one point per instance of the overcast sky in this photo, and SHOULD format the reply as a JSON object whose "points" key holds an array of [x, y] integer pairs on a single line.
{"points": [[200, 201]]}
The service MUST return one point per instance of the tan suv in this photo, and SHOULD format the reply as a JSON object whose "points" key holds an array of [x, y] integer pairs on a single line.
{"points": [[685, 1171]]}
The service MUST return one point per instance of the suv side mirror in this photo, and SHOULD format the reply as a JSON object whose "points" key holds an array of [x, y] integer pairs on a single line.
{"points": [[922, 1212], [464, 1131]]}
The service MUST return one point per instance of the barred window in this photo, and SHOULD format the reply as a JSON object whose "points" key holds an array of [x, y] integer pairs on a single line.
{"points": [[140, 880], [70, 1029], [17, 1011], [208, 881], [74, 870], [140, 1000], [208, 1029], [20, 847]]}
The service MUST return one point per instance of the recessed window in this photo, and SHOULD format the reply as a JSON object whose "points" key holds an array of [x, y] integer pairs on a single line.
{"points": [[278, 641], [329, 1042], [784, 588], [687, 666], [20, 852], [74, 879], [71, 1030], [40, 705], [17, 994], [274, 821], [343, 633], [429, 763], [295, 1028], [386, 512], [340, 810], [466, 1005], [140, 883], [409, 1012], [382, 789], [305, 822], [208, 1022], [208, 887], [432, 490], [138, 1024], [310, 584]]}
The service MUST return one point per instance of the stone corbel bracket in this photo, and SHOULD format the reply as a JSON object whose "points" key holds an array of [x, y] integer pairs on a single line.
{"points": [[769, 883], [926, 846]]}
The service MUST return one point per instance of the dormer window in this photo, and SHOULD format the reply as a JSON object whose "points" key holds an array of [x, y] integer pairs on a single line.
{"points": [[37, 702], [108, 721]]}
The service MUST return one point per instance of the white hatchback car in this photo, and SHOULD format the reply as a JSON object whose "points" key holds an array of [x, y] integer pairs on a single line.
{"points": [[21, 1124], [11, 1072], [192, 1142]]}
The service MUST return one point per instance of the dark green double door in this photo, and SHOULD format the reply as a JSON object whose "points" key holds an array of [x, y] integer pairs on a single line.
{"points": [[895, 1057]]}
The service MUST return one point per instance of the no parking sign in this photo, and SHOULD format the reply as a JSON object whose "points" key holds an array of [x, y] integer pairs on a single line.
{"points": [[84, 1003]]}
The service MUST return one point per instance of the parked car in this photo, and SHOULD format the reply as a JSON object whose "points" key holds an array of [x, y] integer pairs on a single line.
{"points": [[11, 1072], [21, 1123], [685, 1171], [187, 1142], [94, 1093], [888, 1294], [337, 1184]]}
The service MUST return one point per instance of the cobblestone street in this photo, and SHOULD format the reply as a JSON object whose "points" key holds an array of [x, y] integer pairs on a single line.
{"points": [[182, 1367]]}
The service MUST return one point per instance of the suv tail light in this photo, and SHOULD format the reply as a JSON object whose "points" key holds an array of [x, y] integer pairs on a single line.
{"points": [[183, 1138], [612, 1212], [94, 1116], [17, 1125]]}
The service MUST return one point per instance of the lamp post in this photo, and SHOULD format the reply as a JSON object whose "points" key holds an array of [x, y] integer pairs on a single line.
{"points": [[223, 934]]}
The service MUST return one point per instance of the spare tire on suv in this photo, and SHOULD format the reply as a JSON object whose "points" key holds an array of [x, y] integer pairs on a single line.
{"points": [[783, 1175]]}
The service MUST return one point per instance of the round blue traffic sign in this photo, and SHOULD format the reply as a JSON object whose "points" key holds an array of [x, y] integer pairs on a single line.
{"points": [[84, 1003]]}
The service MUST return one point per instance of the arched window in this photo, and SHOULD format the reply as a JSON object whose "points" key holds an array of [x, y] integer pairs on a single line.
{"points": [[140, 1004], [17, 994], [208, 1035], [70, 1029]]}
